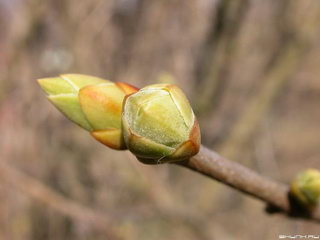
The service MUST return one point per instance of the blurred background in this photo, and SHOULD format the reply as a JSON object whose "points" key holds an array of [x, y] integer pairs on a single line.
{"points": [[249, 68]]}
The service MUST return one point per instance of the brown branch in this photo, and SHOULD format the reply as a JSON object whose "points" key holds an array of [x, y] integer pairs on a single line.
{"points": [[206, 162], [274, 193]]}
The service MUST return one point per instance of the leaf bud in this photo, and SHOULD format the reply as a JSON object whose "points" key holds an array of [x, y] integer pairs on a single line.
{"points": [[306, 188], [93, 103], [159, 125]]}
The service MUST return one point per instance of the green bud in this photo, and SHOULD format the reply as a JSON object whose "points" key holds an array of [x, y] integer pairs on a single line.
{"points": [[93, 103], [306, 188], [159, 125]]}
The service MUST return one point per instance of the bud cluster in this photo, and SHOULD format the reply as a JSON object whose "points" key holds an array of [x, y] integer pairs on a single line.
{"points": [[156, 123]]}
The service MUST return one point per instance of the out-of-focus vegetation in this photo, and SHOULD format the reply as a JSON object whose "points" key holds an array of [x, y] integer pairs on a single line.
{"points": [[250, 69]]}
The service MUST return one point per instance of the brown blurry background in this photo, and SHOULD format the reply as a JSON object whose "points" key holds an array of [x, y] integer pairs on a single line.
{"points": [[250, 69]]}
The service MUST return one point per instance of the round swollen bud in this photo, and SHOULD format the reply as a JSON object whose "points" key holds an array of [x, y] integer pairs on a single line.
{"points": [[159, 125], [93, 103], [306, 188]]}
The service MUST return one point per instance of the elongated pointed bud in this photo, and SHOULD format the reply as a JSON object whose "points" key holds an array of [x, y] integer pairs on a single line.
{"points": [[159, 125], [306, 188], [93, 103]]}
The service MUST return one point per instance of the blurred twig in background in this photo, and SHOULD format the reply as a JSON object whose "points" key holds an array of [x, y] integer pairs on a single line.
{"points": [[221, 53], [217, 52], [39, 192], [290, 54]]}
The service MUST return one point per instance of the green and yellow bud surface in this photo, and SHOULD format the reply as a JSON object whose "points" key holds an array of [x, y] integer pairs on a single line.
{"points": [[306, 187], [159, 125], [93, 103]]}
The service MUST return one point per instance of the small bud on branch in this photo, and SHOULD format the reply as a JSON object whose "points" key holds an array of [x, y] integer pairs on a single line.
{"points": [[306, 188]]}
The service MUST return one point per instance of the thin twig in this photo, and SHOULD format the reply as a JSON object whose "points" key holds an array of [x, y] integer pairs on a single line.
{"points": [[274, 193]]}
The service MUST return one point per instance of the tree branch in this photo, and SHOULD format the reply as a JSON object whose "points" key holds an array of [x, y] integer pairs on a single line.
{"points": [[274, 193]]}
